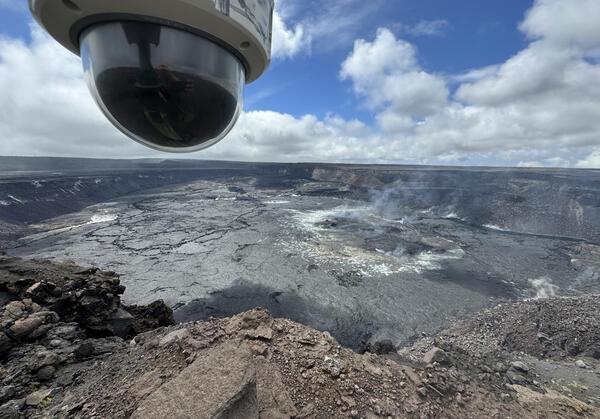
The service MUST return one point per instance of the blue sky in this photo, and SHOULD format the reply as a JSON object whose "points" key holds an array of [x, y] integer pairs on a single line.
{"points": [[474, 34], [470, 82]]}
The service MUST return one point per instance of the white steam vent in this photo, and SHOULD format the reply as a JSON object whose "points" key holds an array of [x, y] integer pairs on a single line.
{"points": [[543, 287]]}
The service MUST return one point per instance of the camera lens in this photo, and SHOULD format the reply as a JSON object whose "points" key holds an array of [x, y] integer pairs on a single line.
{"points": [[163, 87]]}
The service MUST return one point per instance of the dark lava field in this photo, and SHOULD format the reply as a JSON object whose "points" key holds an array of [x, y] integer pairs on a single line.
{"points": [[368, 253]]}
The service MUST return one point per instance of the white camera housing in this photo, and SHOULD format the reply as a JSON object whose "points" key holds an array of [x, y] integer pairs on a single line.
{"points": [[166, 72]]}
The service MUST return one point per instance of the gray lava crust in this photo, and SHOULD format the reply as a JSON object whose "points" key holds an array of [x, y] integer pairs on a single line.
{"points": [[371, 254]]}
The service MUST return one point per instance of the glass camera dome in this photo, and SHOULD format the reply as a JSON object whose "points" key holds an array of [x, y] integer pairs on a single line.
{"points": [[166, 88]]}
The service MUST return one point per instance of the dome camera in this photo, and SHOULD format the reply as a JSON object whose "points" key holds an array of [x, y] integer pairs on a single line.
{"points": [[170, 74]]}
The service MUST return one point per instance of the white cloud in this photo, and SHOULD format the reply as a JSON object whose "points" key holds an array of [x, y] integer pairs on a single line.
{"points": [[287, 42], [564, 22], [540, 107], [546, 97], [386, 72], [317, 25], [549, 162], [372, 62], [326, 25], [416, 93], [435, 27], [268, 135], [592, 161], [476, 74], [532, 72], [46, 108]]}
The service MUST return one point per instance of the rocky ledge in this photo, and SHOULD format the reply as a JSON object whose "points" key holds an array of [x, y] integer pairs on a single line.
{"points": [[69, 348], [56, 320]]}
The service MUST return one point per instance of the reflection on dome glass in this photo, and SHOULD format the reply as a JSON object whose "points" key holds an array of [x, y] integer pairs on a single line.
{"points": [[156, 95]]}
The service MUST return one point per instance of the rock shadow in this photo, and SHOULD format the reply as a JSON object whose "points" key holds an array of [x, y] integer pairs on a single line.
{"points": [[352, 330]]}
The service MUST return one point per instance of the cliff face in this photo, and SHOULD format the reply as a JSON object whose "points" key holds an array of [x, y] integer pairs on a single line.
{"points": [[549, 202], [55, 319], [539, 201], [527, 359], [35, 189]]}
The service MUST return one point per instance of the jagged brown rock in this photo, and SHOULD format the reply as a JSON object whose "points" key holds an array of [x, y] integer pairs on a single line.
{"points": [[298, 372], [89, 297], [227, 388], [50, 327]]}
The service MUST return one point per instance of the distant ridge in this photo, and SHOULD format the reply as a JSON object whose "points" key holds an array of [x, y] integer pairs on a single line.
{"points": [[46, 164], [11, 163]]}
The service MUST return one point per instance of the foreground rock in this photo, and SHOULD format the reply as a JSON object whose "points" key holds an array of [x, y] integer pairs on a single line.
{"points": [[252, 365], [523, 350], [55, 321]]}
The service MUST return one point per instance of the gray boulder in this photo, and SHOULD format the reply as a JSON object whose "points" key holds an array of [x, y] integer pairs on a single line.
{"points": [[436, 354], [220, 383], [520, 366]]}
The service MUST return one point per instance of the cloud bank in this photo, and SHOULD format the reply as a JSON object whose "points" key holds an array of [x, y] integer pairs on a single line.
{"points": [[540, 107]]}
